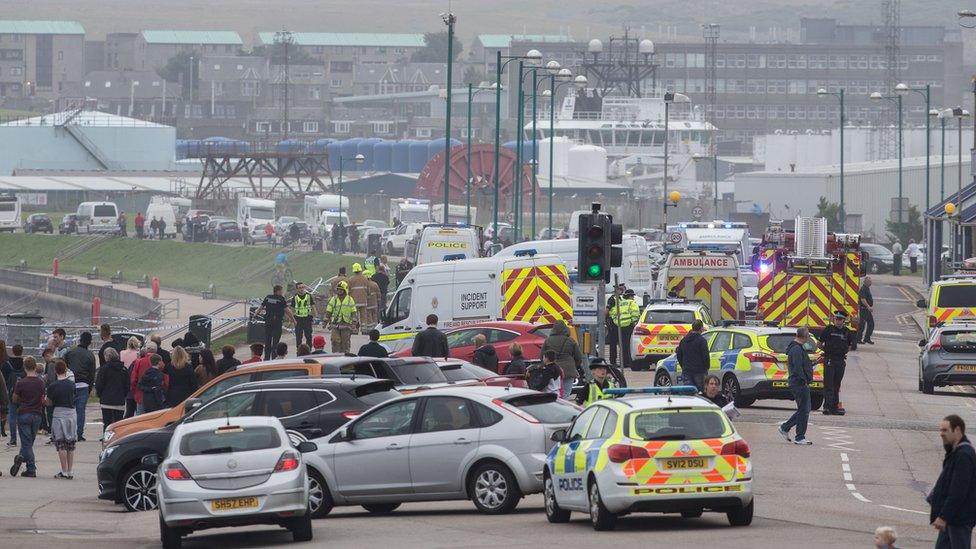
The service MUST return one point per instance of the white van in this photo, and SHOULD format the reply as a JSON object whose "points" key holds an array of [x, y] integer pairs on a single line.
{"points": [[164, 211], [635, 271], [253, 214], [98, 217], [447, 242], [315, 205], [9, 212], [529, 288], [396, 243]]}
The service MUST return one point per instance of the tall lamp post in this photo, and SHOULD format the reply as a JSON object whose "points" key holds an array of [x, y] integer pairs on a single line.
{"points": [[926, 92], [840, 95], [533, 56], [958, 113], [876, 96], [472, 91], [669, 97], [358, 159], [449, 20], [553, 68], [564, 76], [938, 113]]}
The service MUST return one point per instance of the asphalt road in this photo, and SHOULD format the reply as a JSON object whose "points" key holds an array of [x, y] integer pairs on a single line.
{"points": [[869, 468]]}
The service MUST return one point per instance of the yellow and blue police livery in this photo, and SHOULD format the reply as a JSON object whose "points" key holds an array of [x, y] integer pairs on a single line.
{"points": [[652, 449], [751, 363]]}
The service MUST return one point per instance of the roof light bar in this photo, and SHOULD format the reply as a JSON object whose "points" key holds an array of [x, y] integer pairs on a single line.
{"points": [[676, 390]]}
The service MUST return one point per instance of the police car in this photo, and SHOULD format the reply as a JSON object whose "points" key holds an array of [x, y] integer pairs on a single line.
{"points": [[750, 360], [661, 327], [657, 450]]}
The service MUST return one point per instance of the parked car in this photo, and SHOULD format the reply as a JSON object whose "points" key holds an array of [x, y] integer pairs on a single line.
{"points": [[69, 224], [308, 408], [486, 444], [500, 335], [38, 223], [456, 370], [219, 473], [226, 230], [409, 374], [879, 258], [284, 222], [948, 356]]}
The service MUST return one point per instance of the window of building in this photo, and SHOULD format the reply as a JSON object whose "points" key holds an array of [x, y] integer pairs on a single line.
{"points": [[382, 128], [817, 62], [314, 92], [336, 83], [108, 83], [341, 126], [218, 88], [719, 61], [737, 61], [422, 132], [262, 127], [877, 62], [87, 83], [16, 71], [217, 67], [251, 88], [857, 61], [755, 86], [696, 85], [310, 126], [696, 60], [755, 61], [796, 61], [474, 133], [837, 62], [340, 66], [776, 61], [776, 86], [60, 55], [795, 87]]}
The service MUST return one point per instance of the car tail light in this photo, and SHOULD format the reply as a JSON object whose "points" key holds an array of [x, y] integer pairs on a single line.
{"points": [[936, 344], [350, 414], [759, 356], [933, 321], [641, 330], [287, 462], [515, 410], [619, 453], [176, 471], [736, 448]]}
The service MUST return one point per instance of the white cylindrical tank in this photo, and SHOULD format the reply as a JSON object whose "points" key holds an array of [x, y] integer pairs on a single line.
{"points": [[560, 156], [587, 162]]}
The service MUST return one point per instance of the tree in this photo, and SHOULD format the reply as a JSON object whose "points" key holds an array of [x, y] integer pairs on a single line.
{"points": [[831, 212], [296, 56], [183, 67], [911, 229], [435, 48], [473, 75]]}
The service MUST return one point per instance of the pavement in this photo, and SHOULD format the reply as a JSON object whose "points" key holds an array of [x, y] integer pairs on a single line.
{"points": [[869, 468]]}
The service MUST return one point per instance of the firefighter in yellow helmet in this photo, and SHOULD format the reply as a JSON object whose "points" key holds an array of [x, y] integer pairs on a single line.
{"points": [[359, 289], [342, 318], [625, 312]]}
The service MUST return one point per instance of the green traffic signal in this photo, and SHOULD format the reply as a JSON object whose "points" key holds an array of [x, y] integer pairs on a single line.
{"points": [[594, 270]]}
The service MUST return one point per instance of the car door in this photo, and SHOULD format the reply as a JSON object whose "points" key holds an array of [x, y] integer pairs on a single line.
{"points": [[461, 343], [501, 340], [717, 348], [740, 342], [374, 463], [569, 476], [445, 441]]}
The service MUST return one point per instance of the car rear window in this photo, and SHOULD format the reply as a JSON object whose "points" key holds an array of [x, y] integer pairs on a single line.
{"points": [[957, 295], [412, 373], [104, 211], [458, 373], [666, 316], [225, 440], [958, 338], [779, 342], [372, 394], [545, 408], [677, 424], [543, 331]]}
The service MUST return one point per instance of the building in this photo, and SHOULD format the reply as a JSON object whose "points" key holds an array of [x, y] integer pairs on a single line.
{"points": [[38, 57], [154, 48], [140, 94], [120, 51], [229, 89]]}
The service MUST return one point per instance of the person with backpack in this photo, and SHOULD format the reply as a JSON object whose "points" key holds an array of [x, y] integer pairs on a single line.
{"points": [[568, 355], [154, 384], [546, 377]]}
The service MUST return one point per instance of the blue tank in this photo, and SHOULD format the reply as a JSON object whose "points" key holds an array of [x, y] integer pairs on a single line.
{"points": [[319, 146], [334, 149], [383, 156], [365, 148], [182, 146], [418, 156], [224, 145], [349, 149], [401, 156], [292, 146], [436, 146], [527, 153], [510, 145]]}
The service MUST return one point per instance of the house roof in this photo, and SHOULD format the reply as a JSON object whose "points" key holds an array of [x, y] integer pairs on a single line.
{"points": [[41, 27], [412, 73], [373, 39], [505, 40], [192, 37]]}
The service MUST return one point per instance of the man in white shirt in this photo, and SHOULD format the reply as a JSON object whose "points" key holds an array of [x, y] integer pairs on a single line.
{"points": [[913, 252], [897, 250]]}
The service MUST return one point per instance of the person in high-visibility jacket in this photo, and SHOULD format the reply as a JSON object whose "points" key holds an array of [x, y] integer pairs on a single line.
{"points": [[359, 289], [342, 317], [301, 305], [625, 313], [594, 389]]}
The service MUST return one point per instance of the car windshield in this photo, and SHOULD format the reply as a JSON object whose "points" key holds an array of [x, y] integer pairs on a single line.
{"points": [[779, 342], [678, 424], [876, 250], [457, 372], [957, 295], [545, 407], [225, 440], [412, 373], [668, 316]]}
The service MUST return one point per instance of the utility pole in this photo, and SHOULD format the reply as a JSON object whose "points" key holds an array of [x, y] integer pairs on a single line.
{"points": [[284, 38], [449, 20], [710, 32]]}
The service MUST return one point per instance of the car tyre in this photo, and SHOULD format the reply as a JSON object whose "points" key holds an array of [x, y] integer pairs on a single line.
{"points": [[741, 516], [816, 401], [730, 386], [554, 513], [320, 500], [692, 514], [600, 517], [139, 489], [171, 538], [493, 489], [301, 527], [928, 388], [381, 508], [662, 378]]}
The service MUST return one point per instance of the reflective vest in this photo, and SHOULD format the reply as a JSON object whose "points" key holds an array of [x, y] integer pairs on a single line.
{"points": [[341, 311], [629, 312], [596, 393], [303, 305]]}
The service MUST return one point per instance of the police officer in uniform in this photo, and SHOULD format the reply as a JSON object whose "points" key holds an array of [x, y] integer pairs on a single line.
{"points": [[301, 306], [342, 317], [593, 391], [835, 341], [273, 307], [625, 313]]}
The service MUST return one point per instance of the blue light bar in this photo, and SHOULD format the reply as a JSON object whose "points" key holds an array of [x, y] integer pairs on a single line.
{"points": [[676, 390], [524, 253]]}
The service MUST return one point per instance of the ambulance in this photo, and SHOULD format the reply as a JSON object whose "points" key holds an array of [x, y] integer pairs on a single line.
{"points": [[529, 288], [710, 277], [447, 242]]}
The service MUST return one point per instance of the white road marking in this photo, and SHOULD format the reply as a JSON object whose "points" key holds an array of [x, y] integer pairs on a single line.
{"points": [[846, 467], [848, 477], [900, 509], [851, 487], [844, 458], [860, 497], [892, 299], [839, 438], [893, 334]]}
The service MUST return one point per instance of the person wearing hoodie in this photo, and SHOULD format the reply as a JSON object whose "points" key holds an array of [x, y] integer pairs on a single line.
{"points": [[154, 384], [112, 386], [569, 356], [81, 361], [953, 498], [484, 354], [518, 364], [693, 356], [800, 369]]}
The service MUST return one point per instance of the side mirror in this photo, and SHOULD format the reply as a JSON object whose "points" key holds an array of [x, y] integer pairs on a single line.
{"points": [[558, 435], [341, 436], [152, 460], [922, 342], [921, 304], [306, 447], [191, 404]]}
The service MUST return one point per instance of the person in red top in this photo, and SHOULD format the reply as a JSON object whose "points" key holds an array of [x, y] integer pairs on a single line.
{"points": [[139, 367], [257, 351], [140, 224], [269, 231]]}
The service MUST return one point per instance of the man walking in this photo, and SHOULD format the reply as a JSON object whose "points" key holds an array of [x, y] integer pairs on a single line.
{"points": [[273, 307], [835, 342], [301, 305], [430, 342], [342, 317], [913, 252], [896, 250], [29, 396], [81, 361], [692, 355], [953, 498], [865, 327], [800, 375], [625, 313]]}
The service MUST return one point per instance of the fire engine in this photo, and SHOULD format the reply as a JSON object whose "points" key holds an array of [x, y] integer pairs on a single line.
{"points": [[807, 274]]}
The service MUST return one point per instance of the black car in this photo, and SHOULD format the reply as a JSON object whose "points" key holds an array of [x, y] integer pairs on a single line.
{"points": [[408, 373], [307, 407], [69, 224], [225, 230], [38, 223]]}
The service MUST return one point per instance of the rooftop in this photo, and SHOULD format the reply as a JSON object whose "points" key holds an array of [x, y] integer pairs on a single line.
{"points": [[863, 167], [41, 27], [83, 118], [192, 37], [505, 40], [371, 39]]}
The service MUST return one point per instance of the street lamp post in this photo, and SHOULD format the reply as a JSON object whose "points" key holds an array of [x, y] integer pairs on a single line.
{"points": [[358, 159], [472, 91], [669, 97], [564, 76], [839, 95], [897, 100], [449, 20], [925, 92]]}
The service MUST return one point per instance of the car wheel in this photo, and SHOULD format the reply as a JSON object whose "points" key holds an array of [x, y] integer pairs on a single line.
{"points": [[139, 489], [816, 401], [493, 489], [741, 516], [301, 527], [730, 386], [170, 537], [692, 514], [554, 513], [928, 388], [320, 501], [601, 518], [381, 508], [662, 379]]}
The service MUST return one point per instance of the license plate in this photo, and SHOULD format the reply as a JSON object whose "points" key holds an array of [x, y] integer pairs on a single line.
{"points": [[964, 367], [816, 385], [668, 337], [685, 463], [230, 504]]}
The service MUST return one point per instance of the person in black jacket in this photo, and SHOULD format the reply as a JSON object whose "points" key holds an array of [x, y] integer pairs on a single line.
{"points": [[111, 386], [81, 361], [182, 381], [153, 385], [800, 375], [836, 340], [373, 348], [431, 342], [953, 498], [484, 354], [227, 362], [518, 365], [693, 356], [713, 391]]}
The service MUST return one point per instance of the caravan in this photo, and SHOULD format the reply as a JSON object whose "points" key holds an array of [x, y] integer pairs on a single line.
{"points": [[410, 210], [9, 212], [321, 212], [252, 216]]}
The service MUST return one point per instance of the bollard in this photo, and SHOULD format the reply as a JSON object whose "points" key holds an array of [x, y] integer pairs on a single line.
{"points": [[54, 267], [155, 287], [96, 311]]}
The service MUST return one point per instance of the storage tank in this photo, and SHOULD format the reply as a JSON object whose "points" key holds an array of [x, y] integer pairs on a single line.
{"points": [[319, 146], [436, 146], [182, 147], [418, 156], [383, 156], [401, 156], [560, 156], [510, 145], [349, 149], [365, 148], [335, 150], [587, 162], [291, 146]]}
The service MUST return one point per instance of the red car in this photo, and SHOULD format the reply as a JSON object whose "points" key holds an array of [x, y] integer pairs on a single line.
{"points": [[456, 370], [500, 335]]}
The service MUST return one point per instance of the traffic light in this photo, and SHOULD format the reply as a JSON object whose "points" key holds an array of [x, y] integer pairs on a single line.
{"points": [[615, 249], [593, 252]]}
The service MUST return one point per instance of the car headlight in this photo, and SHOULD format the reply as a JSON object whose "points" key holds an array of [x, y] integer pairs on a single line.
{"points": [[107, 452], [108, 435]]}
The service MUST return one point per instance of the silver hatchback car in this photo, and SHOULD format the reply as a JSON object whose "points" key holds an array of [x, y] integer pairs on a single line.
{"points": [[232, 472], [486, 444], [948, 356]]}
